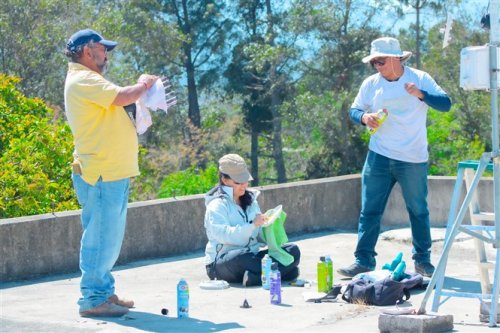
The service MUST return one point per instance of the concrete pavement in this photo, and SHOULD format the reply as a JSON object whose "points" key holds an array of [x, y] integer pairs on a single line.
{"points": [[49, 304]]}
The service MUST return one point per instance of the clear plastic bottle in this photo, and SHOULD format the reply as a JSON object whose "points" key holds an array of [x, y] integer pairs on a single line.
{"points": [[182, 299], [329, 269], [322, 275], [266, 269], [275, 284], [382, 116]]}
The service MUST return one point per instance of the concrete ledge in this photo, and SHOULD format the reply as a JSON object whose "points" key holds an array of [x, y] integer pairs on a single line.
{"points": [[426, 323], [485, 311], [48, 244]]}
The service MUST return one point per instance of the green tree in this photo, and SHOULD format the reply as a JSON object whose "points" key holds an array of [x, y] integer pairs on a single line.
{"points": [[32, 37], [419, 6], [264, 62], [447, 143], [459, 134], [185, 38], [472, 107], [35, 175], [201, 28], [247, 80], [189, 181], [333, 74]]}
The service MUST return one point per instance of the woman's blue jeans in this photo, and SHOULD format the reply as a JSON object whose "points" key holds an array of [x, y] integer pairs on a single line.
{"points": [[104, 214], [378, 178]]}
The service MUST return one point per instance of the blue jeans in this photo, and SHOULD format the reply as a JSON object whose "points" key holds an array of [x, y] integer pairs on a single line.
{"points": [[104, 214], [378, 178]]}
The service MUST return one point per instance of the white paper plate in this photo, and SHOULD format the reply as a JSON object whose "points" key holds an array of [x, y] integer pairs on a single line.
{"points": [[214, 285]]}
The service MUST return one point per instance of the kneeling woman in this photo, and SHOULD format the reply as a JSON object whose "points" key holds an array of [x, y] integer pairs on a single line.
{"points": [[233, 220]]}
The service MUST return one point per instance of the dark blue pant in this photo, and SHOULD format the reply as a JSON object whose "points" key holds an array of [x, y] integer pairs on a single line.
{"points": [[378, 178], [232, 265]]}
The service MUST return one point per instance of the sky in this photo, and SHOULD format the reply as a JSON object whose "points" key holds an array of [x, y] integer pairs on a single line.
{"points": [[474, 8]]}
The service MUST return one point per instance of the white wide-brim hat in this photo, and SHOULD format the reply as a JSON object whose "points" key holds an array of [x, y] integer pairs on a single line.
{"points": [[386, 47]]}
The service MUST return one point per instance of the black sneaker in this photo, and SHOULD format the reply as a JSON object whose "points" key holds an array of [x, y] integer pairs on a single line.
{"points": [[353, 270], [424, 268]]}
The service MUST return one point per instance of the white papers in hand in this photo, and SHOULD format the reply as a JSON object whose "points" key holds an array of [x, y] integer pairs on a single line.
{"points": [[272, 215]]}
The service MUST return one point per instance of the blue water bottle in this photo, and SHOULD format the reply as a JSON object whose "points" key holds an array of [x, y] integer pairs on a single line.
{"points": [[266, 269], [182, 299], [275, 284]]}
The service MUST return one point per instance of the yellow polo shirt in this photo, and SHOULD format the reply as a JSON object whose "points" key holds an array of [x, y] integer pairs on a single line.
{"points": [[105, 139]]}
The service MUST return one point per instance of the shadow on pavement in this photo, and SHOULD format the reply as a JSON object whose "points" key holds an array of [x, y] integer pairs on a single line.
{"points": [[149, 322], [460, 285]]}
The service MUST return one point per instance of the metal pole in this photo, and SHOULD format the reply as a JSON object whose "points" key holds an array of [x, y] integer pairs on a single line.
{"points": [[494, 44], [494, 69], [496, 277]]}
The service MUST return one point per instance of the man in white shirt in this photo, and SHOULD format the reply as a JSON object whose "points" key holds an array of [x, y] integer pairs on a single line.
{"points": [[397, 150]]}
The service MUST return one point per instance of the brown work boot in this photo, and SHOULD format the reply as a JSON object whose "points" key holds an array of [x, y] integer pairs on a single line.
{"points": [[353, 270], [424, 268], [128, 303], [106, 309]]}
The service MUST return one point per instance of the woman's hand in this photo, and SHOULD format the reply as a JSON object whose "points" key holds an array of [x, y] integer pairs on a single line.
{"points": [[260, 220]]}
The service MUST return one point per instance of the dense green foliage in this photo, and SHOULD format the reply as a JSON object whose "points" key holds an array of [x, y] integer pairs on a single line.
{"points": [[189, 181], [447, 145], [270, 80], [35, 156]]}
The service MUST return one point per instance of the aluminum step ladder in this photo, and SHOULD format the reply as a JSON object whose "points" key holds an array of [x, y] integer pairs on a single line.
{"points": [[483, 228], [479, 218]]}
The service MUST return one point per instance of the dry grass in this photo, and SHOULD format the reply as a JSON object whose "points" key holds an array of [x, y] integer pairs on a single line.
{"points": [[352, 311]]}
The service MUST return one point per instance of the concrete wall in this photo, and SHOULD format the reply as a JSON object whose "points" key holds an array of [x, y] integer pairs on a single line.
{"points": [[49, 244]]}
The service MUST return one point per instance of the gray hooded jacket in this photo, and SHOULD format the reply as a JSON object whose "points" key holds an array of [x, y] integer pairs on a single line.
{"points": [[228, 226]]}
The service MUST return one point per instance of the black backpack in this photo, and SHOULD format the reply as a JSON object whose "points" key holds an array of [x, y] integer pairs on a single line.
{"points": [[382, 292]]}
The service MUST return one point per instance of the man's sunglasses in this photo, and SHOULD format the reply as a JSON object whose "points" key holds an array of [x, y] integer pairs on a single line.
{"points": [[378, 62]]}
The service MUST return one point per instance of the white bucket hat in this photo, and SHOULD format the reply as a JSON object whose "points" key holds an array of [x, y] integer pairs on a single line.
{"points": [[386, 47]]}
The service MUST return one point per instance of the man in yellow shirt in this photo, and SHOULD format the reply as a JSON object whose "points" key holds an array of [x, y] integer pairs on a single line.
{"points": [[105, 157]]}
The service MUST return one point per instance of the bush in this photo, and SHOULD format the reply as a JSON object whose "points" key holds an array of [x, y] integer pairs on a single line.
{"points": [[448, 145], [35, 176], [189, 181]]}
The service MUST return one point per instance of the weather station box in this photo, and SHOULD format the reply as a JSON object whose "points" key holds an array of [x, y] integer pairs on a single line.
{"points": [[475, 68]]}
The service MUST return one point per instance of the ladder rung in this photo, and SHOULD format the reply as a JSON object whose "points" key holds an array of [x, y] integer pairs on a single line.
{"points": [[487, 264], [475, 227], [453, 293], [484, 216], [472, 164]]}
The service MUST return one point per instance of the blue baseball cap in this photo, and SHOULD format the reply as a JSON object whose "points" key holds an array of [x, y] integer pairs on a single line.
{"points": [[84, 36]]}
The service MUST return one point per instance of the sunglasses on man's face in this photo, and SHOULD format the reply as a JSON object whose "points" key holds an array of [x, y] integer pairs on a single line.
{"points": [[378, 62]]}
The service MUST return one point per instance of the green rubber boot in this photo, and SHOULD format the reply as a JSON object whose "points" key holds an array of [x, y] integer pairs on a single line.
{"points": [[399, 272], [275, 236], [392, 266]]}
